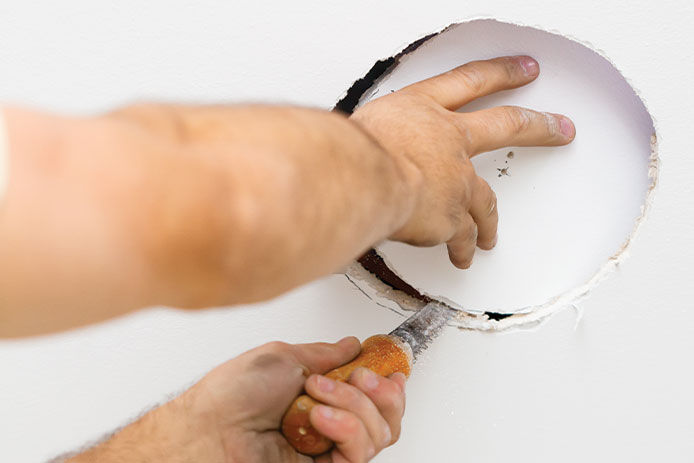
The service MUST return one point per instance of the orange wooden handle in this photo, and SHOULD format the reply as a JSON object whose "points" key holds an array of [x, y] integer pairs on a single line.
{"points": [[382, 354]]}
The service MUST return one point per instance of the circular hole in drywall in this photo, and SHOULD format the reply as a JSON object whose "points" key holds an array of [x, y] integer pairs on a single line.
{"points": [[565, 212]]}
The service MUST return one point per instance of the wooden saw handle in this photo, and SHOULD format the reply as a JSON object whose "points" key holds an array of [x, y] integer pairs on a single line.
{"points": [[382, 354]]}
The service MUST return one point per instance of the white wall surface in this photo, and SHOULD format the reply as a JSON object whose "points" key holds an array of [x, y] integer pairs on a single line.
{"points": [[614, 386]]}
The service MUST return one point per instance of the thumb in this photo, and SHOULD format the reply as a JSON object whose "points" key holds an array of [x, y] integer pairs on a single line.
{"points": [[321, 357]]}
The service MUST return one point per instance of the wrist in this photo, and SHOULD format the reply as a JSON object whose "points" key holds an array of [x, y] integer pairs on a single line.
{"points": [[408, 177], [193, 431], [412, 181]]}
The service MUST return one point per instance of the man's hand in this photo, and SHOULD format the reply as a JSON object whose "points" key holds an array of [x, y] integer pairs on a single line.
{"points": [[233, 414], [418, 123]]}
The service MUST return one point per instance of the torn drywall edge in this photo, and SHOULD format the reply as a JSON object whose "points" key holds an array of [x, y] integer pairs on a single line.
{"points": [[537, 314], [380, 292], [529, 316], [350, 98]]}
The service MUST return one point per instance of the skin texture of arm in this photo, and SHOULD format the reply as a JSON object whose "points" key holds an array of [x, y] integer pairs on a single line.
{"points": [[206, 206]]}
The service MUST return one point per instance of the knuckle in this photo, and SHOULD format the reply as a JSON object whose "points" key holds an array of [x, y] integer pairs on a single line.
{"points": [[276, 348], [391, 387], [428, 239], [274, 363], [411, 95], [517, 119], [349, 422], [460, 261], [510, 68], [266, 361], [491, 202], [354, 399], [393, 400], [471, 76], [471, 233]]}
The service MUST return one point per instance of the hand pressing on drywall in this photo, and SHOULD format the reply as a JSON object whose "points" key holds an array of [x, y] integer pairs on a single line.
{"points": [[419, 123], [233, 414]]}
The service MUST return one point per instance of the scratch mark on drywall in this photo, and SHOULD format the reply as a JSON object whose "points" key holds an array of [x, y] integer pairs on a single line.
{"points": [[371, 298]]}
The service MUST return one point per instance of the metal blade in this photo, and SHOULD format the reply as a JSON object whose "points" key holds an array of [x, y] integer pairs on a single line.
{"points": [[423, 327]]}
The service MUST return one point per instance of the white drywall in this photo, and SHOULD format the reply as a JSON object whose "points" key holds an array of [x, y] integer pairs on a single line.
{"points": [[613, 386]]}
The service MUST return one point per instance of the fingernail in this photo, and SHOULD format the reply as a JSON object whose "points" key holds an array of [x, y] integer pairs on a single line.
{"points": [[370, 379], [325, 384], [371, 452], [326, 412], [567, 128], [496, 238], [529, 65]]}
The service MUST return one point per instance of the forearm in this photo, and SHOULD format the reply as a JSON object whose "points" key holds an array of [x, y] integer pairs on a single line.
{"points": [[67, 256], [185, 206], [170, 433], [286, 195], [308, 191]]}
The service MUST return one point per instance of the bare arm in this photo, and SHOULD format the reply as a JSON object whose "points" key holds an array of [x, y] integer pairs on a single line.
{"points": [[185, 206], [203, 206]]}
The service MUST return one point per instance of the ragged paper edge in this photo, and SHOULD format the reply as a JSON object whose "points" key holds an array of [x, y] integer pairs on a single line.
{"points": [[532, 316]]}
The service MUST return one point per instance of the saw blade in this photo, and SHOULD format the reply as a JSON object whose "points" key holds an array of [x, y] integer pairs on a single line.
{"points": [[424, 326]]}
